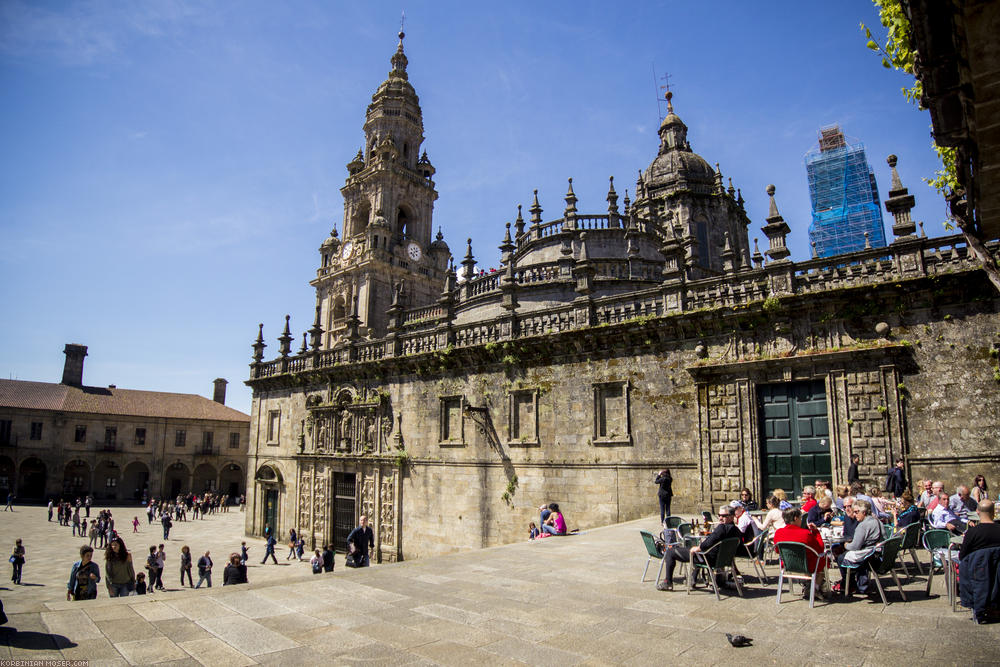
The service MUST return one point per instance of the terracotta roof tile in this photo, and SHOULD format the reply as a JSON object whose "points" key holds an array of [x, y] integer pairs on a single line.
{"points": [[102, 400]]}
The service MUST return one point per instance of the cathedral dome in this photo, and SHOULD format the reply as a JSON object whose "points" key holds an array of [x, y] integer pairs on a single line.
{"points": [[679, 165]]}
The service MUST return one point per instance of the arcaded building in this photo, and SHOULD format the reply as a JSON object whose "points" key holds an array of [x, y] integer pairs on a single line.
{"points": [[68, 439], [447, 403]]}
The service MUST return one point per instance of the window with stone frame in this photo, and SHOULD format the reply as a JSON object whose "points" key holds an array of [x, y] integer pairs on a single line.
{"points": [[207, 440], [81, 434], [140, 437], [180, 437], [5, 430], [36, 430], [273, 426], [523, 417], [110, 435], [452, 425], [234, 441], [611, 413]]}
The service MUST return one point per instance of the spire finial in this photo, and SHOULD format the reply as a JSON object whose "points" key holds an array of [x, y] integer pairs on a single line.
{"points": [[536, 210], [773, 209], [900, 203], [670, 105]]}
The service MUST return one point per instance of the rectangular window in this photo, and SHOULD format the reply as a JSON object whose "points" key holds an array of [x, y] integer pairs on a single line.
{"points": [[180, 438], [110, 435], [207, 439], [81, 434], [111, 482], [5, 428], [140, 437], [234, 441], [452, 431], [611, 420], [36, 430], [523, 418], [273, 425]]}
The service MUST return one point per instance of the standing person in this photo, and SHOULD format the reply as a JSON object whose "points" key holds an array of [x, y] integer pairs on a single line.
{"points": [[50, 509], [300, 547], [235, 572], [244, 557], [87, 503], [10, 502], [76, 523], [896, 482], [135, 524], [161, 563], [83, 576], [186, 565], [852, 470], [327, 558], [17, 561], [92, 533], [980, 489], [665, 493], [358, 542], [167, 523], [293, 539], [205, 570], [152, 564], [118, 569], [269, 550], [149, 513]]}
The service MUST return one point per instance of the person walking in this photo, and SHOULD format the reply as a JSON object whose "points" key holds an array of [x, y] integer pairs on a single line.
{"points": [[316, 562], [665, 493], [852, 470], [358, 542], [205, 570], [328, 559], [293, 539], [92, 533], [244, 557], [10, 502], [17, 561], [50, 509], [118, 569], [135, 524], [186, 565], [83, 576], [167, 523], [76, 523], [161, 561], [269, 549], [235, 572]]}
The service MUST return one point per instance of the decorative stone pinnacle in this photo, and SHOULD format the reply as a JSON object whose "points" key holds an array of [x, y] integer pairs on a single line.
{"points": [[536, 210], [868, 242], [776, 230], [570, 200], [670, 105], [612, 197], [259, 344], [899, 203], [285, 339]]}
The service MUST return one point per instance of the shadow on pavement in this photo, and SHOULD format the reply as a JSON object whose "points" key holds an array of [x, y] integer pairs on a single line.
{"points": [[34, 641]]}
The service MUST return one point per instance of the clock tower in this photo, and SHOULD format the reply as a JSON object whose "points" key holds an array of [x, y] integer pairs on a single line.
{"points": [[388, 206]]}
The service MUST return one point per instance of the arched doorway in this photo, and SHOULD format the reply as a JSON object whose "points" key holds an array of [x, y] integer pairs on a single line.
{"points": [[175, 481], [107, 477], [231, 480], [31, 481], [7, 475], [135, 481], [205, 479], [76, 478], [269, 486]]}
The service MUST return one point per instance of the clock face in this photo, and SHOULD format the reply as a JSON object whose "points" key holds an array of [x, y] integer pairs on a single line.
{"points": [[347, 249], [413, 250]]}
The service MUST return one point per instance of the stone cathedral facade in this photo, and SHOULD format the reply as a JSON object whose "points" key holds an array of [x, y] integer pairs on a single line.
{"points": [[447, 403]]}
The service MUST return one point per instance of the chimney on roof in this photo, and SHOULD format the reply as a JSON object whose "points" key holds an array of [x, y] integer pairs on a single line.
{"points": [[73, 369], [220, 391]]}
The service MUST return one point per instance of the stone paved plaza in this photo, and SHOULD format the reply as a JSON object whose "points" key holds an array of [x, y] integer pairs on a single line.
{"points": [[560, 601]]}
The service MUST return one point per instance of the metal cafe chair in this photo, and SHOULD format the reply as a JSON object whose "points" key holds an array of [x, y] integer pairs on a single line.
{"points": [[650, 542], [793, 558], [725, 554]]}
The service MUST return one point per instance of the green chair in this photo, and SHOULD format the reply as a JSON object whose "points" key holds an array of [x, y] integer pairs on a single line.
{"points": [[886, 565], [911, 539], [793, 558], [673, 521], [938, 542], [684, 529], [724, 554], [650, 542], [754, 552]]}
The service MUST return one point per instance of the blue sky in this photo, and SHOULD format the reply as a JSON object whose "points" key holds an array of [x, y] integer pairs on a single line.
{"points": [[169, 169]]}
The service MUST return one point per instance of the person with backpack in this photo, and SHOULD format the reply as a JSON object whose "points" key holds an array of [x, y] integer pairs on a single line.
{"points": [[895, 481]]}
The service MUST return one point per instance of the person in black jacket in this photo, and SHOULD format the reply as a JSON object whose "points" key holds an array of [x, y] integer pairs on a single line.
{"points": [[725, 529], [235, 572], [358, 542], [852, 470], [665, 492], [897, 480]]}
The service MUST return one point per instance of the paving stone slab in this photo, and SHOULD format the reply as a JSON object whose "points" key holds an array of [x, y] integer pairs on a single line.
{"points": [[150, 651], [117, 631], [450, 653], [532, 654], [246, 636], [213, 652], [156, 611]]}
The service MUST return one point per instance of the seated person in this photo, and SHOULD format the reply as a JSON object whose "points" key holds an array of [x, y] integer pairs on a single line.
{"points": [[773, 520], [748, 527], [794, 532], [746, 499], [866, 536], [850, 521], [808, 498], [942, 516], [905, 512], [880, 505], [984, 535], [843, 491], [936, 489], [543, 514], [823, 489], [962, 503], [821, 513], [858, 491], [782, 497], [554, 524], [724, 529]]}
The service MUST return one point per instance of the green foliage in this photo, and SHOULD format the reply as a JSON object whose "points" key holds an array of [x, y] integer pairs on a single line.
{"points": [[509, 359], [402, 458], [897, 53], [508, 494], [882, 409], [771, 305]]}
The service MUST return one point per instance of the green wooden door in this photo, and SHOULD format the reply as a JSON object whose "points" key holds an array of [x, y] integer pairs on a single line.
{"points": [[271, 510], [795, 435]]}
